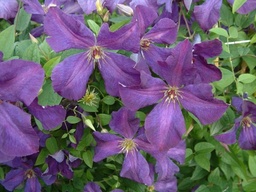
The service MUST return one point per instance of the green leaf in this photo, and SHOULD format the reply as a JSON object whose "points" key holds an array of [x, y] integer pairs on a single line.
{"points": [[204, 147], [1, 173], [220, 31], [104, 119], [246, 78], [227, 79], [7, 38], [233, 32], [118, 25], [73, 119], [226, 16], [88, 158], [93, 26], [51, 145], [72, 139], [32, 53], [252, 165], [214, 177], [198, 173], [48, 96], [109, 100], [237, 4], [88, 108], [253, 39], [41, 157], [202, 160], [22, 20], [49, 65]]}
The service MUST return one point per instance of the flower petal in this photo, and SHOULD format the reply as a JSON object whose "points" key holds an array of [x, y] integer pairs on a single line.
{"points": [[49, 116], [92, 187], [166, 185], [13, 179], [116, 69], [8, 9], [136, 167], [228, 137], [107, 145], [5, 158], [247, 7], [88, 6], [148, 93], [32, 184], [198, 99], [165, 168], [69, 78], [178, 152], [33, 7], [164, 125], [247, 138], [208, 49], [20, 80], [66, 32], [18, 138]]}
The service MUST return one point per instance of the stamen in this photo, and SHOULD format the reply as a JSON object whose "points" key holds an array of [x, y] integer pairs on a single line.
{"points": [[145, 43], [90, 98], [30, 173], [172, 94], [246, 122], [95, 53], [127, 145]]}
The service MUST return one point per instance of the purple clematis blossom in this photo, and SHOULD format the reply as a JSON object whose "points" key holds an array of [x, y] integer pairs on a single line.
{"points": [[17, 137], [164, 125], [246, 8], [8, 9], [247, 123], [207, 19], [124, 123], [94, 187], [71, 75]]}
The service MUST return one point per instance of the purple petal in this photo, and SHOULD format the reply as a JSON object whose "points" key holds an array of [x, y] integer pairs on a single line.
{"points": [[92, 187], [5, 158], [1, 56], [66, 32], [88, 6], [49, 116], [164, 125], [247, 138], [18, 138], [247, 7], [168, 4], [20, 80], [107, 145], [207, 19], [59, 156], [198, 99], [13, 179], [237, 102], [136, 167], [165, 168], [187, 4], [249, 109], [164, 31], [66, 170], [168, 185], [208, 49], [126, 38], [69, 78], [124, 122], [8, 9], [33, 7], [150, 91], [146, 3], [145, 16], [32, 184], [116, 69], [228, 137], [178, 152]]}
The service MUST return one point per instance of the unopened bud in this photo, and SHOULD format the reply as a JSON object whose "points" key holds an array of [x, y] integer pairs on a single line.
{"points": [[33, 39], [125, 9], [106, 17], [99, 7]]}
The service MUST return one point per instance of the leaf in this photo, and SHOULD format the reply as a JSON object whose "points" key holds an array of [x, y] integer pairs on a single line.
{"points": [[104, 119], [220, 31], [202, 160], [88, 158], [118, 25], [51, 145], [7, 38], [233, 32], [49, 65], [22, 20], [88, 108], [32, 53], [252, 165], [227, 79], [72, 139], [237, 4], [93, 26], [204, 147], [246, 78], [41, 157], [109, 100], [73, 119], [198, 173]]}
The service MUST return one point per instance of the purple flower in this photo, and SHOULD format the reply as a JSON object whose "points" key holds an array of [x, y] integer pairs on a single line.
{"points": [[71, 75], [20, 81], [247, 120], [94, 187], [164, 125], [246, 8], [8, 9], [124, 123]]}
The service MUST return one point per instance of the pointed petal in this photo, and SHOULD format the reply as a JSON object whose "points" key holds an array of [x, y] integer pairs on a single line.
{"points": [[5, 158], [208, 49], [8, 9], [49, 116], [148, 93], [32, 184], [20, 80], [33, 7], [88, 6], [66, 32], [164, 31], [178, 152], [69, 78], [18, 138], [237, 102], [228, 137], [198, 99], [249, 109], [207, 19], [13, 179], [124, 122], [107, 145], [164, 125], [165, 168], [92, 187], [126, 38], [246, 8], [169, 185], [116, 69], [136, 167], [247, 138]]}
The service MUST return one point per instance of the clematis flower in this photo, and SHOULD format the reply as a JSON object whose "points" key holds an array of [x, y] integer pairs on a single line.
{"points": [[94, 187], [247, 123], [20, 81], [246, 8], [124, 123], [8, 9], [164, 125], [71, 75]]}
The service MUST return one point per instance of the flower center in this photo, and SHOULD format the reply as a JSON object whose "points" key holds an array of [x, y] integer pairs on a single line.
{"points": [[151, 188], [246, 122], [172, 94], [127, 145], [144, 44], [30, 173], [90, 98], [95, 53], [46, 9]]}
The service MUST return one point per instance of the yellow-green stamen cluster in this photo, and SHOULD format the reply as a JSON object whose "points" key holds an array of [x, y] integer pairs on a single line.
{"points": [[246, 122], [90, 98], [172, 94], [127, 145]]}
